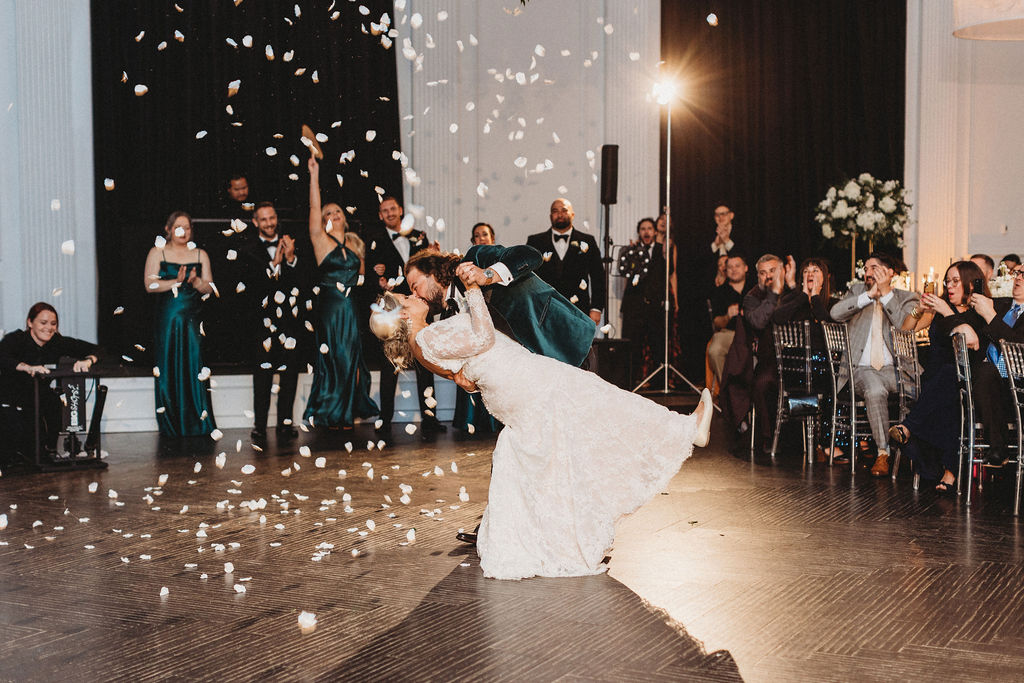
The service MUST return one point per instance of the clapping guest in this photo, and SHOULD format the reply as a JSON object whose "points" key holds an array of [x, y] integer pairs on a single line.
{"points": [[341, 380], [726, 301], [179, 275], [869, 310], [642, 264], [25, 354], [930, 434], [276, 281], [471, 415], [775, 278]]}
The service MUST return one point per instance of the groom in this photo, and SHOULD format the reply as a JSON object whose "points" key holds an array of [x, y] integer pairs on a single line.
{"points": [[534, 314]]}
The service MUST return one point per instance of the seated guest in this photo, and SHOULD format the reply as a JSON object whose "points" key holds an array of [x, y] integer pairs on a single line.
{"points": [[725, 309], [930, 434], [774, 279], [810, 301], [991, 390], [471, 415], [27, 353], [643, 313], [986, 264], [869, 310], [1011, 261], [720, 274]]}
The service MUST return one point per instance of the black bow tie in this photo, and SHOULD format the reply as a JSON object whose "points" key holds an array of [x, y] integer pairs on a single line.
{"points": [[395, 236], [269, 243], [451, 308], [561, 237]]}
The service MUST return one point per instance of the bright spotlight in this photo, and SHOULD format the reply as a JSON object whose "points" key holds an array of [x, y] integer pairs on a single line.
{"points": [[664, 91]]}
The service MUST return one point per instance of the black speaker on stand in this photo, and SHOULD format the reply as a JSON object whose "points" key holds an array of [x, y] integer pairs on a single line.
{"points": [[609, 196]]}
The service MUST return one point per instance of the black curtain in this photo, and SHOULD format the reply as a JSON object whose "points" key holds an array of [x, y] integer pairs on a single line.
{"points": [[783, 98], [148, 144]]}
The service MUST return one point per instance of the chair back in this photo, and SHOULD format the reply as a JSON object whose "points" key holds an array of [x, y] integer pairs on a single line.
{"points": [[1013, 354], [711, 317], [908, 368], [793, 357], [837, 344], [962, 361]]}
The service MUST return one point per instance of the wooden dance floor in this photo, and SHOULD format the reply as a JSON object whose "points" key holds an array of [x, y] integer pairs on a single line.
{"points": [[741, 570]]}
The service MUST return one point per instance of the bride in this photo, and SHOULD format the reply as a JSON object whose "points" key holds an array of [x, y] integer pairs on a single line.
{"points": [[576, 453]]}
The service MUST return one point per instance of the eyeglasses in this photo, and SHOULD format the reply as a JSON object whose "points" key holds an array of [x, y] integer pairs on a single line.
{"points": [[1017, 274], [722, 213], [953, 281]]}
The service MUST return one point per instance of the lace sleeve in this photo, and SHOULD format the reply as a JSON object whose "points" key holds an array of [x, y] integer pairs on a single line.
{"points": [[458, 338]]}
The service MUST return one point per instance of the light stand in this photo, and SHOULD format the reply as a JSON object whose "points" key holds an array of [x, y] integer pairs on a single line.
{"points": [[665, 93]]}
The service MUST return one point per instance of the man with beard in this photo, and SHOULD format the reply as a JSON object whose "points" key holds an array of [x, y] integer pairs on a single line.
{"points": [[276, 285], [571, 261], [643, 298], [869, 310], [388, 248]]}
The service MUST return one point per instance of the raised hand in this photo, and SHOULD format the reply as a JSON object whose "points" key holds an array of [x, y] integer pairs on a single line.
{"points": [[790, 272]]}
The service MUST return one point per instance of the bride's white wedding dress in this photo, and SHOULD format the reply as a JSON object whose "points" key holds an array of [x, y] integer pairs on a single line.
{"points": [[576, 452]]}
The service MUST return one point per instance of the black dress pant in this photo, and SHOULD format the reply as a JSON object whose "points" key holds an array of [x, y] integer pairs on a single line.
{"points": [[389, 384], [992, 403], [263, 382]]}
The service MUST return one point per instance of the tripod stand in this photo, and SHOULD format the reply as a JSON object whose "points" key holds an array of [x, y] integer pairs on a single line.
{"points": [[665, 93]]}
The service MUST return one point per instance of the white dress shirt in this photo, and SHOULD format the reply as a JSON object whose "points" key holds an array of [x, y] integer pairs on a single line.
{"points": [[863, 301], [561, 246], [401, 244]]}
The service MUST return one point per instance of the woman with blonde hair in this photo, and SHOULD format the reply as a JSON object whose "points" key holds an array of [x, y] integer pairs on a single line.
{"points": [[341, 380]]}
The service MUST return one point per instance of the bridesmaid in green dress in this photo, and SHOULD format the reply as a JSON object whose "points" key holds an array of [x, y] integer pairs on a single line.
{"points": [[471, 415], [341, 380], [179, 274]]}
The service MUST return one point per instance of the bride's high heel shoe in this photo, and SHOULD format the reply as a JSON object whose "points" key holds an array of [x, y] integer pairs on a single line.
{"points": [[704, 426]]}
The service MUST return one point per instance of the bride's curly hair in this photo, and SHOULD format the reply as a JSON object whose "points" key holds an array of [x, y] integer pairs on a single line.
{"points": [[392, 330]]}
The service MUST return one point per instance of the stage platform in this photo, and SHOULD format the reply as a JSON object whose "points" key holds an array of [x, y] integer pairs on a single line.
{"points": [[740, 570]]}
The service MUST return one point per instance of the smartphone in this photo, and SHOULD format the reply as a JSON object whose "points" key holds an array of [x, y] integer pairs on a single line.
{"points": [[977, 286], [929, 287]]}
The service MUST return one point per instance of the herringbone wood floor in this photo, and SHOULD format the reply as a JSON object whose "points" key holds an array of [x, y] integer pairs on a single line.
{"points": [[767, 571]]}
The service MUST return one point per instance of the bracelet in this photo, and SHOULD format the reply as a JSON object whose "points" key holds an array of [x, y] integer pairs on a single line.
{"points": [[916, 314]]}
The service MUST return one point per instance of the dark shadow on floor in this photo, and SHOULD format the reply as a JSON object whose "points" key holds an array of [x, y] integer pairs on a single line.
{"points": [[587, 628]]}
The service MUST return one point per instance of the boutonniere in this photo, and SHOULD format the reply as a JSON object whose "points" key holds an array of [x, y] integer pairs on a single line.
{"points": [[574, 243], [584, 246]]}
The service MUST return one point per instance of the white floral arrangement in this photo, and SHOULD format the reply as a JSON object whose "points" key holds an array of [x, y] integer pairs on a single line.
{"points": [[865, 207], [1001, 285]]}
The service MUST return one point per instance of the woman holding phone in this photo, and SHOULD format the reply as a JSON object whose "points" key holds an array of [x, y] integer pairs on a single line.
{"points": [[930, 436]]}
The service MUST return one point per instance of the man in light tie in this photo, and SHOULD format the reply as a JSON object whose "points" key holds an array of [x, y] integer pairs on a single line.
{"points": [[869, 310], [991, 390]]}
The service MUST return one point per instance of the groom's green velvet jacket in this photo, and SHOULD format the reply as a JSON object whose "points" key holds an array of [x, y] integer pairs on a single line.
{"points": [[541, 319]]}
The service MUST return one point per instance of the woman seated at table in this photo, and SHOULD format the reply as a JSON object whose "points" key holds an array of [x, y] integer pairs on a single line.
{"points": [[930, 435], [25, 354]]}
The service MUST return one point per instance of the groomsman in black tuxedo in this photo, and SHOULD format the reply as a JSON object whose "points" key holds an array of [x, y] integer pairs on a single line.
{"points": [[572, 261], [276, 291], [388, 247]]}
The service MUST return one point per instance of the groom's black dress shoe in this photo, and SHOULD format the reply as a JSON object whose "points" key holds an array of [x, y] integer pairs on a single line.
{"points": [[466, 537], [286, 432]]}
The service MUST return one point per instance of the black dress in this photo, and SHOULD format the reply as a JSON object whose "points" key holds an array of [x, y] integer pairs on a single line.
{"points": [[16, 387], [934, 421]]}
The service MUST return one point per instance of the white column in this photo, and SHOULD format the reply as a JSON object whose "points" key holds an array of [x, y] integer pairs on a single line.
{"points": [[46, 164]]}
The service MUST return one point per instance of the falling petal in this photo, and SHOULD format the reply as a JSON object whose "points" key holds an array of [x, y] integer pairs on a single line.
{"points": [[141, 90], [370, 135], [68, 247], [239, 588], [248, 469], [163, 591], [220, 460], [233, 87]]}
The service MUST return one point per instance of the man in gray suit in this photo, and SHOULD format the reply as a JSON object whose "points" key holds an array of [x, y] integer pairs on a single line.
{"points": [[869, 309]]}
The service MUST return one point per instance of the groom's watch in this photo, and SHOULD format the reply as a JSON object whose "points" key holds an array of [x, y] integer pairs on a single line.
{"points": [[489, 274]]}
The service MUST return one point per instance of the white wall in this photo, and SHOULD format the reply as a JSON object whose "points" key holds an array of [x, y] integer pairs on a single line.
{"points": [[594, 95], [964, 140], [46, 163]]}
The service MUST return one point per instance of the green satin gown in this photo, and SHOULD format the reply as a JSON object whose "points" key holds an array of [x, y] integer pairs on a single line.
{"points": [[341, 381], [185, 399]]}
